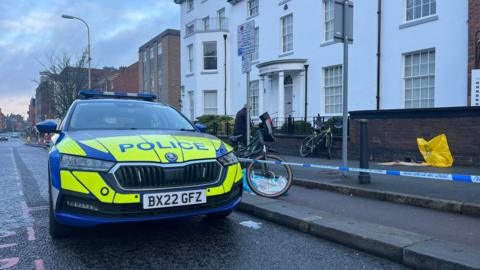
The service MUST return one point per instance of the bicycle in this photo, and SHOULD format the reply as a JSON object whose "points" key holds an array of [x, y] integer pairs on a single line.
{"points": [[322, 135], [270, 179]]}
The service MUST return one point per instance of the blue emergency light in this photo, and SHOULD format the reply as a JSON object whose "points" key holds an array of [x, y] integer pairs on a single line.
{"points": [[94, 93]]}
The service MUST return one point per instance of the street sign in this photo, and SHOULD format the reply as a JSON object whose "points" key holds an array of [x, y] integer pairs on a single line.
{"points": [[246, 38], [339, 20], [246, 64]]}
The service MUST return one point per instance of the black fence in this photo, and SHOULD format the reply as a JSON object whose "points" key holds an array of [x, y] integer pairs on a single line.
{"points": [[298, 126], [293, 126]]}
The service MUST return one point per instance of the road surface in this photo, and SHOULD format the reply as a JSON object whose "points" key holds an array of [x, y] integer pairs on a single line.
{"points": [[239, 242]]}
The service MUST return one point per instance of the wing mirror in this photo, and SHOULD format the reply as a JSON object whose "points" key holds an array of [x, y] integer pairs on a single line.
{"points": [[201, 128], [47, 126]]}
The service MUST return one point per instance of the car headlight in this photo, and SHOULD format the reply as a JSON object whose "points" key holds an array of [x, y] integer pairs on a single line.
{"points": [[84, 164], [228, 159]]}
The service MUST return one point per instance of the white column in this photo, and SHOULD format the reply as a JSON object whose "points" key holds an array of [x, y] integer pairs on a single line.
{"points": [[300, 96], [260, 94], [281, 96]]}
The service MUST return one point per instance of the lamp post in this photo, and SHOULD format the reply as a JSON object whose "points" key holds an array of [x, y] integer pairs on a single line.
{"points": [[88, 47]]}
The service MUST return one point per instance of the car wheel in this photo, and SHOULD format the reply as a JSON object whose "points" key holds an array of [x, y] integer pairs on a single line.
{"points": [[219, 215]]}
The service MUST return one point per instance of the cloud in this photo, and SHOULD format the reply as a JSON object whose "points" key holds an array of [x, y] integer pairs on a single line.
{"points": [[32, 31]]}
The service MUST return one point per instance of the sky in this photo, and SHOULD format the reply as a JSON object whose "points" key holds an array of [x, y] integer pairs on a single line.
{"points": [[31, 31]]}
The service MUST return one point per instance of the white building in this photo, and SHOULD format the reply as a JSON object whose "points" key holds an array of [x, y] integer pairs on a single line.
{"points": [[422, 56]]}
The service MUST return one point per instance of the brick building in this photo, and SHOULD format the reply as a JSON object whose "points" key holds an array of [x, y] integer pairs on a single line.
{"points": [[473, 41], [44, 98], [159, 67], [2, 120], [31, 112], [127, 79]]}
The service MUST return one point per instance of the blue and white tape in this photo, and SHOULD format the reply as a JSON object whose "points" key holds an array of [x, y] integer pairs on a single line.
{"points": [[437, 176]]}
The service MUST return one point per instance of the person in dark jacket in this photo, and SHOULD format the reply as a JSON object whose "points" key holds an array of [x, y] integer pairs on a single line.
{"points": [[240, 127]]}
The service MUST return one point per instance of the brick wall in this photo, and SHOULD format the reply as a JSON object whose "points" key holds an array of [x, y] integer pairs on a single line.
{"points": [[172, 70], [127, 79], [473, 27], [392, 134]]}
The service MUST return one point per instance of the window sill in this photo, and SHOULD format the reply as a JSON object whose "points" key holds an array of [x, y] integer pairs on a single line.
{"points": [[189, 74], [418, 21], [209, 72], [254, 62], [285, 54], [252, 16], [327, 43]]}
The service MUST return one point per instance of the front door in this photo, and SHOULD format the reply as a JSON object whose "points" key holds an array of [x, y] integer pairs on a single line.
{"points": [[288, 100]]}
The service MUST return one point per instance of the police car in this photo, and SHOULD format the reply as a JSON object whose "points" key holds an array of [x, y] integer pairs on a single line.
{"points": [[120, 157]]}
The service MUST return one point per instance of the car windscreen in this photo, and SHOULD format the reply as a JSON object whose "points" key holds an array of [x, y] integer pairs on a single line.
{"points": [[126, 115]]}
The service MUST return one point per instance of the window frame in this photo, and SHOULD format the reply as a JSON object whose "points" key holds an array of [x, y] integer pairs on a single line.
{"points": [[429, 77], [253, 10], [422, 4], [190, 5], [282, 33], [159, 68], [151, 66], [333, 87], [190, 59], [215, 57], [328, 25], [254, 88], [221, 18], [205, 92], [255, 55], [206, 23]]}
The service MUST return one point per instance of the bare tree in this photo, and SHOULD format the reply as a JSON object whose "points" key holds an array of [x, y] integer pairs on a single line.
{"points": [[68, 77]]}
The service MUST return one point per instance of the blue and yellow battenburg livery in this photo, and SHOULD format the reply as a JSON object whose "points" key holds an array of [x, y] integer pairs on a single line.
{"points": [[128, 166]]}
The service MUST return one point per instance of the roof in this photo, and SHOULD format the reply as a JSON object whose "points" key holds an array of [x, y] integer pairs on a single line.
{"points": [[167, 32]]}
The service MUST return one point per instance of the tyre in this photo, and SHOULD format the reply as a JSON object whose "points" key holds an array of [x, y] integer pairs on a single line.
{"points": [[306, 148], [270, 181], [219, 215], [56, 229], [328, 144]]}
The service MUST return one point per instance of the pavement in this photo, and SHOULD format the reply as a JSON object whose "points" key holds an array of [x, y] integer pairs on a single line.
{"points": [[241, 241], [463, 193], [414, 250]]}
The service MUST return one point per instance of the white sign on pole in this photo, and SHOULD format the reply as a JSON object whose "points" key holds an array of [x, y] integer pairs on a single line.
{"points": [[246, 38], [246, 64]]}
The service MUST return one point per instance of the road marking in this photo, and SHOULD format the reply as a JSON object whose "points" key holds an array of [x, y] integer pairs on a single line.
{"points": [[8, 262], [43, 207], [39, 264], [31, 233], [8, 245], [25, 212], [251, 224], [7, 234]]}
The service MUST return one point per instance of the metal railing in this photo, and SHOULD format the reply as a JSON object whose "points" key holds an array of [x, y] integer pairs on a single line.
{"points": [[298, 126], [206, 25]]}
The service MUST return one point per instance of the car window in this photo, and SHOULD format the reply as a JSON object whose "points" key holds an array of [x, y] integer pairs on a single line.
{"points": [[126, 115]]}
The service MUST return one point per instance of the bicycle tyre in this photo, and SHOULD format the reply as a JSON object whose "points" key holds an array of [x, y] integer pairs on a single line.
{"points": [[260, 193], [305, 149], [328, 144]]}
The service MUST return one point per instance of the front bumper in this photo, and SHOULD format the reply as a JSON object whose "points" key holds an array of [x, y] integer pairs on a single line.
{"points": [[121, 213]]}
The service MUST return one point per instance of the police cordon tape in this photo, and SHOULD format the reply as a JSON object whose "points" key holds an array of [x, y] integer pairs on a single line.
{"points": [[437, 176]]}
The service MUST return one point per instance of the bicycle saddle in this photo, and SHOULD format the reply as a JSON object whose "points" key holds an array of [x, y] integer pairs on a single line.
{"points": [[236, 138]]}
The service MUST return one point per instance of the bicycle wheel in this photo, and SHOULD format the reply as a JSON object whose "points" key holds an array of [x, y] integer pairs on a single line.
{"points": [[269, 180], [328, 144], [307, 146]]}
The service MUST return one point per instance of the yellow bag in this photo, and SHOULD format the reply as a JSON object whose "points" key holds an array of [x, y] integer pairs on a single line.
{"points": [[436, 152]]}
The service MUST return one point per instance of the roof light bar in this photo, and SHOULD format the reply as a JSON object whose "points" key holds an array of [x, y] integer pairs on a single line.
{"points": [[94, 93]]}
